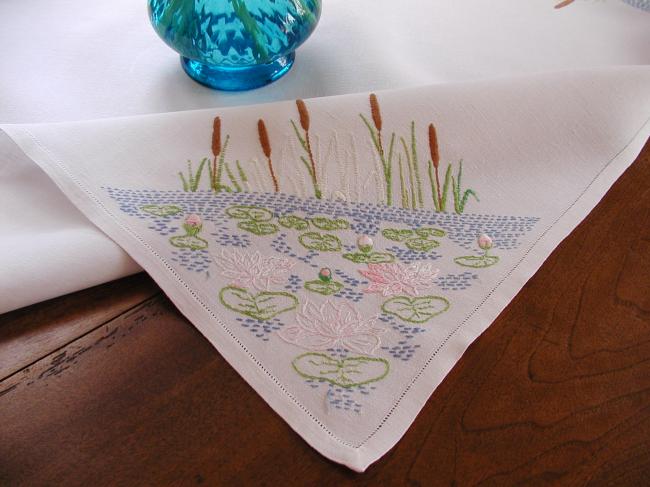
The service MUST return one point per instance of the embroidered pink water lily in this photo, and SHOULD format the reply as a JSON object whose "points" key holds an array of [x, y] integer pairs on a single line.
{"points": [[193, 220], [485, 242], [331, 326], [252, 269], [396, 278]]}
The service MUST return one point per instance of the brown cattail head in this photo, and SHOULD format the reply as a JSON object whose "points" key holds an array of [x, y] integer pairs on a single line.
{"points": [[264, 138], [433, 146], [216, 137], [374, 109], [304, 115]]}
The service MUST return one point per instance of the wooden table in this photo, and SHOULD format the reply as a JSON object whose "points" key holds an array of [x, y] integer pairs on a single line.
{"points": [[112, 385]]}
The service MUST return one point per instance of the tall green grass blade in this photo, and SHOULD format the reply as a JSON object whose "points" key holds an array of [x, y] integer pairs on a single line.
{"points": [[232, 178], [402, 185], [445, 188], [434, 188], [414, 156], [184, 181], [242, 173], [302, 141]]}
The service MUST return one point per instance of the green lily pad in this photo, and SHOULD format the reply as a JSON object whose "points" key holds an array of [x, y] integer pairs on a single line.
{"points": [[415, 309], [370, 258], [348, 372], [293, 221], [421, 244], [324, 288], [253, 213], [427, 232], [261, 306], [330, 224], [258, 228], [477, 261], [324, 242], [396, 234], [161, 210], [188, 242]]}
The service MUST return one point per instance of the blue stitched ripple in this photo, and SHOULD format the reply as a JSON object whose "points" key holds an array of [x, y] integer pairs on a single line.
{"points": [[261, 329], [193, 260], [456, 282], [402, 351], [407, 255]]}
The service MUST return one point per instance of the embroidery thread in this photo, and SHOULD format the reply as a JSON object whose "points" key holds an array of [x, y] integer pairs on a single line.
{"points": [[347, 372], [420, 239], [266, 148], [397, 278], [330, 224], [460, 197], [416, 309], [161, 210], [325, 242], [330, 326], [252, 269], [479, 261], [191, 183], [294, 222], [190, 240], [324, 285], [305, 142], [261, 306], [376, 137]]}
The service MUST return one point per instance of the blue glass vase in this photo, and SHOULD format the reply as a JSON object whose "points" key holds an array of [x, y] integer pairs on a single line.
{"points": [[235, 44]]}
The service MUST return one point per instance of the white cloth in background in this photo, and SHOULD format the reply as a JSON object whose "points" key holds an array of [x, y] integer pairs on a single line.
{"points": [[71, 59]]}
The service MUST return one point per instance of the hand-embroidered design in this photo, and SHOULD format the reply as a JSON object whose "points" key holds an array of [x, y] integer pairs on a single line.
{"points": [[376, 137], [367, 256], [397, 278], [305, 143], [416, 309], [191, 182], [332, 325], [439, 195], [479, 261], [266, 148], [564, 3], [247, 269], [161, 210], [330, 224], [255, 219], [258, 228], [261, 306], [294, 222], [348, 372], [420, 239], [190, 240], [324, 284], [325, 242], [253, 213]]}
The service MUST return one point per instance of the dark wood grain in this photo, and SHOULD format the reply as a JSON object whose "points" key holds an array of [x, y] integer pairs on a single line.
{"points": [[555, 392], [28, 334]]}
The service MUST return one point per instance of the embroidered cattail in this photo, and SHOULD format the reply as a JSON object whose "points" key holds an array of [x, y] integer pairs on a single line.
{"points": [[304, 115], [216, 150], [564, 3], [266, 148], [216, 137], [433, 146], [374, 109], [435, 161], [264, 138]]}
